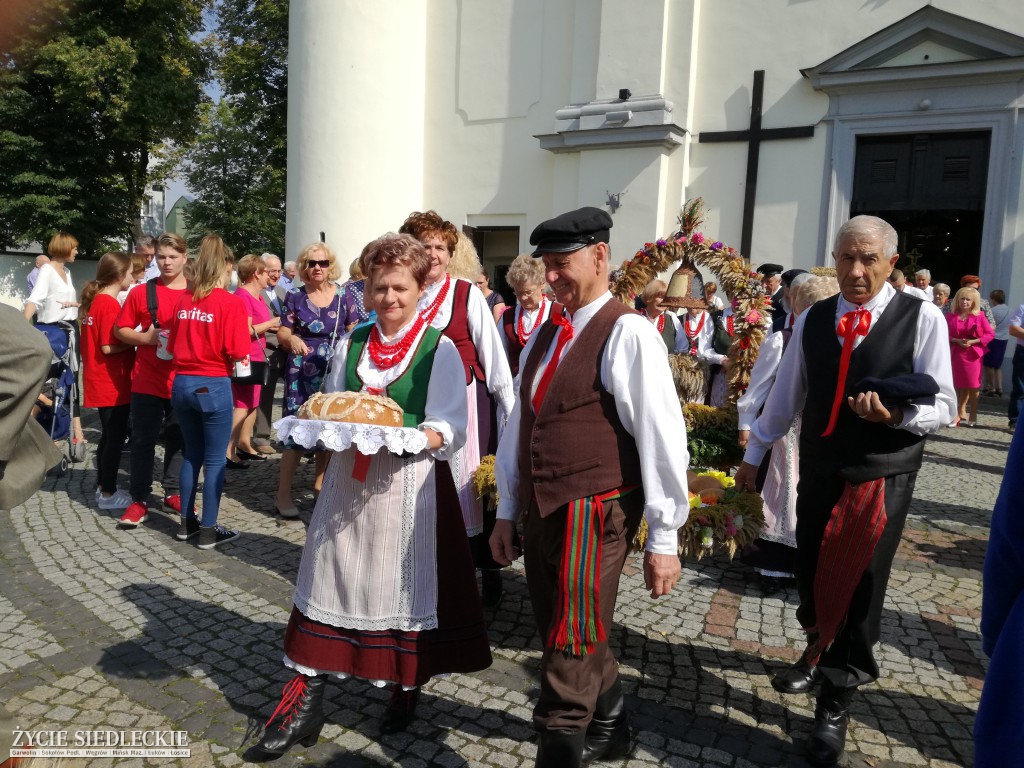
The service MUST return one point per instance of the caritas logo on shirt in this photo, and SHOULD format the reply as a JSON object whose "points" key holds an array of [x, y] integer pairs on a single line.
{"points": [[195, 314]]}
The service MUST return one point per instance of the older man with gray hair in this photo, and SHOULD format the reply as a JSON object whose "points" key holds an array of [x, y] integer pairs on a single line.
{"points": [[880, 381], [923, 280]]}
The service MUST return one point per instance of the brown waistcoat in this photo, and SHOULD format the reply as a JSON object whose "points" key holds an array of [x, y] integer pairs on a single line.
{"points": [[576, 446]]}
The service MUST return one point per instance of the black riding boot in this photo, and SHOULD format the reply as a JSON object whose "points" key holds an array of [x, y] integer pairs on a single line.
{"points": [[827, 741], [298, 718], [560, 749], [608, 736]]}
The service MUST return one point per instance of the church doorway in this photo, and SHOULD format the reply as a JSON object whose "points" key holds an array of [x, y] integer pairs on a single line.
{"points": [[497, 248], [931, 188]]}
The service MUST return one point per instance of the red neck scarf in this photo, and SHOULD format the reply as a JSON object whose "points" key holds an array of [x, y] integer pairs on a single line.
{"points": [[851, 325]]}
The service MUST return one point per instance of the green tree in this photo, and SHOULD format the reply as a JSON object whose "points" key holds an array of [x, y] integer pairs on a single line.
{"points": [[237, 192], [237, 167], [91, 93]]}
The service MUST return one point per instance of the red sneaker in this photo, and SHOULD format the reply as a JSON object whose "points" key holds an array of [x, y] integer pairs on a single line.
{"points": [[173, 503], [134, 515]]}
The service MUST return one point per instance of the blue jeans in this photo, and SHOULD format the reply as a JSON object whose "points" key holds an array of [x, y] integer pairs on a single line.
{"points": [[1013, 410], [204, 407]]}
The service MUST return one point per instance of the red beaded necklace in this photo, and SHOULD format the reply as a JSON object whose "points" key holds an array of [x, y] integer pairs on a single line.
{"points": [[730, 324], [693, 334], [385, 355], [431, 311], [660, 325], [521, 332]]}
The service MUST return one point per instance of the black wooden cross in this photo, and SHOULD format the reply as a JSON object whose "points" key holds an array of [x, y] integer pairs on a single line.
{"points": [[754, 136]]}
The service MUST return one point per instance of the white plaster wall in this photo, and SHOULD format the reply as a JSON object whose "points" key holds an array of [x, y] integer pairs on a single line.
{"points": [[355, 120]]}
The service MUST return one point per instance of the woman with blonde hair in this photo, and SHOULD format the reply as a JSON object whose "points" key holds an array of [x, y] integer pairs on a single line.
{"points": [[209, 331], [107, 372], [969, 334], [252, 281], [526, 276], [312, 322], [53, 300]]}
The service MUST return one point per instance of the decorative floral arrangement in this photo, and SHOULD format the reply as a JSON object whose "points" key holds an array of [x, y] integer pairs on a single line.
{"points": [[711, 436], [751, 304], [722, 519]]}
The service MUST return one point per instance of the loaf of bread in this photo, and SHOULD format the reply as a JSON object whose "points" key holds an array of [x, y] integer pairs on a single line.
{"points": [[352, 407]]}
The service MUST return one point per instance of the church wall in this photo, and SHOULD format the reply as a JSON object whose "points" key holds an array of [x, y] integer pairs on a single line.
{"points": [[451, 118]]}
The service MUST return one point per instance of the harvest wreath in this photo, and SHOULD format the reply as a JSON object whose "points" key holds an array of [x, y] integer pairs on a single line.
{"points": [[722, 519]]}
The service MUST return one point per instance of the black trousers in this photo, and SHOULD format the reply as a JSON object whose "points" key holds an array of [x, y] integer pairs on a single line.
{"points": [[264, 414], [849, 662], [114, 429]]}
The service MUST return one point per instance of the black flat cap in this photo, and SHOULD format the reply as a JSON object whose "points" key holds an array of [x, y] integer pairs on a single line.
{"points": [[789, 274], [912, 387], [770, 269], [571, 231]]}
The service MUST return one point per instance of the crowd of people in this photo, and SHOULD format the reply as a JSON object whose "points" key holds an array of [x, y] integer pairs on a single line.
{"points": [[573, 394]]}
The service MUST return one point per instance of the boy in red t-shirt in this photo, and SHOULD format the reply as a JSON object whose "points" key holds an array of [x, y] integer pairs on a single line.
{"points": [[153, 374]]}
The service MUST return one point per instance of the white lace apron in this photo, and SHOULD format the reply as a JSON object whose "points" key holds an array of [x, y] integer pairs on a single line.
{"points": [[370, 559], [779, 492]]}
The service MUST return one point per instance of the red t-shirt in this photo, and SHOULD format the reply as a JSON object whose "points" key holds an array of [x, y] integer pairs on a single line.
{"points": [[151, 375], [107, 379], [205, 337]]}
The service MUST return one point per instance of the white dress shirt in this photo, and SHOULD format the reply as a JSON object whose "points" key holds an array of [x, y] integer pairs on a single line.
{"points": [[931, 356], [486, 338], [445, 414], [682, 343], [762, 377], [152, 269], [916, 292], [634, 370]]}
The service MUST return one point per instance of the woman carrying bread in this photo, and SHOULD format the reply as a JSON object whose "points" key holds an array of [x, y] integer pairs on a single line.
{"points": [[386, 589]]}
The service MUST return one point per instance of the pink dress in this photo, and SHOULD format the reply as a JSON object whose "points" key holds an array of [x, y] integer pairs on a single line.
{"points": [[248, 395], [967, 360]]}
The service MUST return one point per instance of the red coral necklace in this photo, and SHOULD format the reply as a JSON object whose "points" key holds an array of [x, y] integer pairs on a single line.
{"points": [[385, 355], [693, 333], [521, 333], [431, 311]]}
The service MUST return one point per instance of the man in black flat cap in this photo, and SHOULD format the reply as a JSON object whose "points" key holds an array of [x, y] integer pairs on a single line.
{"points": [[787, 319], [596, 441], [771, 277]]}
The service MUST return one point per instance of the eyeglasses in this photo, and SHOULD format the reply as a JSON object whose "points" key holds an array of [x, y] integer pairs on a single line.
{"points": [[322, 263]]}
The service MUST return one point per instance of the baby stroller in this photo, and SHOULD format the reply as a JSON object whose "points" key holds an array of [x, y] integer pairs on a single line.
{"points": [[60, 391]]}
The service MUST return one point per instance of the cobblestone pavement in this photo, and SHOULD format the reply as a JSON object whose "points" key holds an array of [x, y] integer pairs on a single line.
{"points": [[101, 627]]}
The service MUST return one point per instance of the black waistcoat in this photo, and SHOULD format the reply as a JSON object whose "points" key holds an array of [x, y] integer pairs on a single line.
{"points": [[858, 450]]}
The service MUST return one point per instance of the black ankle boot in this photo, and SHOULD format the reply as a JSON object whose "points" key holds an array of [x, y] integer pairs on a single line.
{"points": [[401, 711], [608, 736], [298, 718], [798, 678], [827, 741], [491, 588], [560, 749]]}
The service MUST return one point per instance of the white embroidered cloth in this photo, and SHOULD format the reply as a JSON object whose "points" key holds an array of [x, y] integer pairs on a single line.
{"points": [[340, 436]]}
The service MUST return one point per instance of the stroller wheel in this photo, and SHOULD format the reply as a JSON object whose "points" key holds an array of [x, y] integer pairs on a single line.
{"points": [[78, 450]]}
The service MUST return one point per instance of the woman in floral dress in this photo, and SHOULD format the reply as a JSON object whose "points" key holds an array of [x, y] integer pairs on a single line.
{"points": [[310, 326]]}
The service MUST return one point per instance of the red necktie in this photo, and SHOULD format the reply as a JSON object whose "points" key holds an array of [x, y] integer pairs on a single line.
{"points": [[851, 325], [563, 338]]}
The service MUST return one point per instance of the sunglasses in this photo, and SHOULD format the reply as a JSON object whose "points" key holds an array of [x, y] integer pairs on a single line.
{"points": [[322, 263]]}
